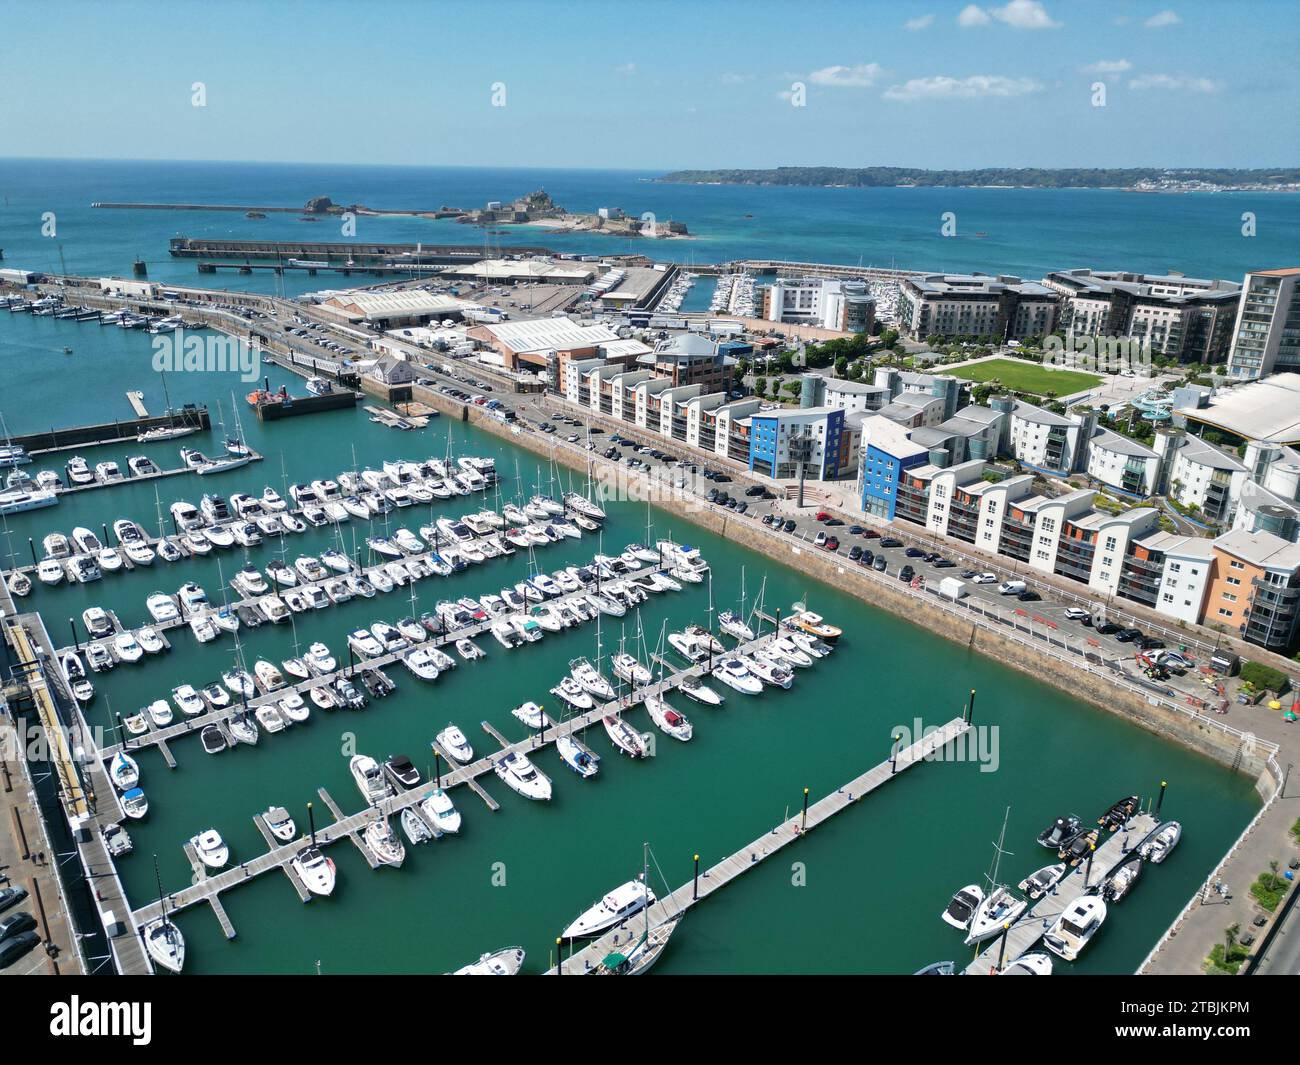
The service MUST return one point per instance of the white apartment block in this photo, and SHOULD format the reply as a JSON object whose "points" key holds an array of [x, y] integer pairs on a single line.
{"points": [[1188, 563], [1122, 464]]}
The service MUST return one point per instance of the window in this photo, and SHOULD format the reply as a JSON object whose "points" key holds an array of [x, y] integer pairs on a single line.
{"points": [[1234, 580], [1234, 564], [1225, 613], [1229, 597]]}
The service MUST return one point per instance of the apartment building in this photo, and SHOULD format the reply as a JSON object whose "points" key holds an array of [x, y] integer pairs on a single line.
{"points": [[885, 453], [784, 442], [1003, 307], [1043, 440], [1266, 333], [1255, 588], [691, 359], [1122, 464], [1195, 473], [1185, 318], [846, 306]]}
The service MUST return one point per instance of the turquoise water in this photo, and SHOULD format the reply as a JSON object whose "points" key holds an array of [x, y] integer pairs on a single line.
{"points": [[876, 878], [1026, 232]]}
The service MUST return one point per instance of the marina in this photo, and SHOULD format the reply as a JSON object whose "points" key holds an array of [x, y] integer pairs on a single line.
{"points": [[557, 802], [165, 829]]}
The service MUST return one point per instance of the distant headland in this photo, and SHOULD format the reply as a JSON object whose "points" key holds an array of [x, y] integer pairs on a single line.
{"points": [[1134, 179]]}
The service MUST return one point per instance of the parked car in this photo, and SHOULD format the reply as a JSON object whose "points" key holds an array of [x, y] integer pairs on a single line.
{"points": [[13, 949], [968, 574], [833, 522], [1148, 643], [868, 556], [1077, 613], [855, 552], [889, 541], [944, 563], [906, 573], [754, 490], [789, 525], [985, 578], [856, 530], [914, 552], [16, 924], [1029, 596], [832, 543], [1012, 587], [1106, 628], [880, 564], [1128, 635], [820, 540]]}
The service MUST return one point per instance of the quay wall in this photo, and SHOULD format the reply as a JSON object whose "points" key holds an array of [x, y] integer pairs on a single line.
{"points": [[81, 435], [1066, 673]]}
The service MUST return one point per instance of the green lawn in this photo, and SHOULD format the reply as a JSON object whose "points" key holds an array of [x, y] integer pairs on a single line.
{"points": [[1021, 376]]}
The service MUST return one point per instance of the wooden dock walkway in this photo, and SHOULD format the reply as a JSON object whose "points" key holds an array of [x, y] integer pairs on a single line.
{"points": [[751, 856], [136, 399], [1039, 917]]}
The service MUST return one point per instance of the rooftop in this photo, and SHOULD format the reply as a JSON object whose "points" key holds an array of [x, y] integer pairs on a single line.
{"points": [[1267, 409], [1260, 548], [544, 334]]}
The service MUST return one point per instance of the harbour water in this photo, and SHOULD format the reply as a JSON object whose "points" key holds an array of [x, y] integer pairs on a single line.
{"points": [[1017, 231], [863, 893]]}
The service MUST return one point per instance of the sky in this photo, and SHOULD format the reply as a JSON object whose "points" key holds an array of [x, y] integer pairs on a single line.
{"points": [[656, 84]]}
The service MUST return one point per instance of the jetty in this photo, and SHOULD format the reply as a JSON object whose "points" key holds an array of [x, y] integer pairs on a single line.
{"points": [[1089, 874], [351, 826], [104, 433], [771, 842]]}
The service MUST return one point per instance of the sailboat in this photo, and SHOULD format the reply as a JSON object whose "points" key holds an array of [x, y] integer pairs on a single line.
{"points": [[162, 938], [1000, 907], [235, 443], [648, 947]]}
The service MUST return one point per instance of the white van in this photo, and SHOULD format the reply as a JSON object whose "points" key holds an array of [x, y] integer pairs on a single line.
{"points": [[1012, 587]]}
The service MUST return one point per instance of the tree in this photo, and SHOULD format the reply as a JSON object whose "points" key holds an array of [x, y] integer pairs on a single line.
{"points": [[760, 386]]}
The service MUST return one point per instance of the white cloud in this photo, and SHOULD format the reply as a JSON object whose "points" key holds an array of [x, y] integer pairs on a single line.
{"points": [[1018, 14], [735, 79], [626, 69], [942, 87], [862, 76], [1108, 66], [1175, 83], [921, 22], [1164, 18], [1024, 15]]}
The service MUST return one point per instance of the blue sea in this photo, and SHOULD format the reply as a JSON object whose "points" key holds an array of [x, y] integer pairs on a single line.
{"points": [[1025, 232]]}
